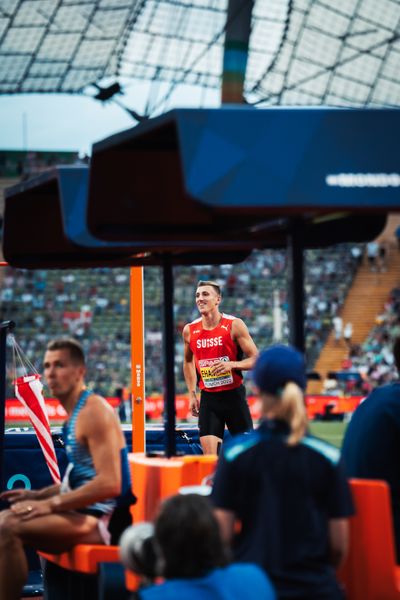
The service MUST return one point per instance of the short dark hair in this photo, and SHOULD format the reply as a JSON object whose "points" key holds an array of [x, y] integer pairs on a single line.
{"points": [[213, 284], [72, 345], [188, 537], [396, 352]]}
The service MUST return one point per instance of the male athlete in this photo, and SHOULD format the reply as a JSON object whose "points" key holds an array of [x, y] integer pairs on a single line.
{"points": [[214, 345], [56, 518]]}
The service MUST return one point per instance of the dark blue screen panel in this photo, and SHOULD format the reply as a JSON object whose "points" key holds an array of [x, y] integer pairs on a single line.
{"points": [[54, 206], [287, 158], [196, 177]]}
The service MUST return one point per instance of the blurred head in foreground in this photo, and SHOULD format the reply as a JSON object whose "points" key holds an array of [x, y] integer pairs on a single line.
{"points": [[185, 541]]}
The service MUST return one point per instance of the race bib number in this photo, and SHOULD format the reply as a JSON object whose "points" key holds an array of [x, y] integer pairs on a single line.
{"points": [[211, 380]]}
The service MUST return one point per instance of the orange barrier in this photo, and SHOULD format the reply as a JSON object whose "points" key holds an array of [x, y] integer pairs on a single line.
{"points": [[84, 557], [154, 479], [316, 406], [132, 581], [370, 571]]}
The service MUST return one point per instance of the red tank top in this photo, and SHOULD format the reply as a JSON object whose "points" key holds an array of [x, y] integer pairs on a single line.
{"points": [[210, 346]]}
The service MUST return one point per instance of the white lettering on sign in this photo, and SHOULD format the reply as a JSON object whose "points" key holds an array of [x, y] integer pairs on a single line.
{"points": [[209, 342], [138, 369], [361, 180]]}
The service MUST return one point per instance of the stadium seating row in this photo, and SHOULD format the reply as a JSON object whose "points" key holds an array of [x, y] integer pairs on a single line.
{"points": [[93, 305]]}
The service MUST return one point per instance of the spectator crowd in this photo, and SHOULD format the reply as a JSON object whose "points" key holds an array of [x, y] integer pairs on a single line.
{"points": [[372, 362], [93, 306]]}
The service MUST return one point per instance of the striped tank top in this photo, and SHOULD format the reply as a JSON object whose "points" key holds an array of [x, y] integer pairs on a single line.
{"points": [[81, 469]]}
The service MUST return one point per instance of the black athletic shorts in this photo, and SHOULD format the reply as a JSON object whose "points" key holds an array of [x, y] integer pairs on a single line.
{"points": [[93, 512], [229, 408]]}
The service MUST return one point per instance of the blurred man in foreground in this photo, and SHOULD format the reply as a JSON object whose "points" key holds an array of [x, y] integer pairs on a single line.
{"points": [[371, 445], [56, 518]]}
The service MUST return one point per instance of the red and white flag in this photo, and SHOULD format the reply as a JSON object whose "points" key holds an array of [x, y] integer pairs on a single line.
{"points": [[28, 390]]}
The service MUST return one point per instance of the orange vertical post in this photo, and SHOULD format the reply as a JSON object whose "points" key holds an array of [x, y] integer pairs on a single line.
{"points": [[137, 359]]}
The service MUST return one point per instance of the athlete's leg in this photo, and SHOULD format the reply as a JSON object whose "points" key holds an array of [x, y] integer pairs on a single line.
{"points": [[52, 533], [210, 444], [238, 417], [13, 563], [211, 425]]}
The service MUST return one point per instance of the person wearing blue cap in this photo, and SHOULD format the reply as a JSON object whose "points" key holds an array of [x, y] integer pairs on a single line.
{"points": [[287, 488]]}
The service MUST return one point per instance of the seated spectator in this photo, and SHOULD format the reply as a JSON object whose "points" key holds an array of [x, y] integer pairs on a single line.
{"points": [[372, 255], [331, 386], [185, 549], [286, 487], [383, 251], [338, 328], [91, 505], [371, 446], [348, 333]]}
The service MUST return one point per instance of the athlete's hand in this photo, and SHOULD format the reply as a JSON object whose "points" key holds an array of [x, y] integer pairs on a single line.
{"points": [[194, 404], [223, 366], [18, 495], [29, 509]]}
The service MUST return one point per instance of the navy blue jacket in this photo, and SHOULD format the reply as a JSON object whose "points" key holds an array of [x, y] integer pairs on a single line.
{"points": [[371, 445], [284, 496]]}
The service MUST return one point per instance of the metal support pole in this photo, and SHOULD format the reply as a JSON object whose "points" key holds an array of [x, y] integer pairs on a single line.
{"points": [[295, 250], [5, 327], [169, 358], [238, 29]]}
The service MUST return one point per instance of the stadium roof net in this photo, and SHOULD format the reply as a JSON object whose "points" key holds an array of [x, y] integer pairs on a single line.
{"points": [[302, 52]]}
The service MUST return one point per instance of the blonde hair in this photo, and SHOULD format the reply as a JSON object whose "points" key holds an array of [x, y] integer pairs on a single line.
{"points": [[290, 407], [213, 284]]}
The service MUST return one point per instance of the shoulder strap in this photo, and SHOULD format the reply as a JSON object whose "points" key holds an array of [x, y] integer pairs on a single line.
{"points": [[82, 399]]}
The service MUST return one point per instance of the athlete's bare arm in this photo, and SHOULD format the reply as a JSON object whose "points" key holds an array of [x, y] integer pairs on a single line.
{"points": [[189, 372], [241, 336], [97, 428], [19, 494]]}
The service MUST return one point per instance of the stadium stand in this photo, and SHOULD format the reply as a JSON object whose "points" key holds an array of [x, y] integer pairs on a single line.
{"points": [[93, 305], [372, 308], [373, 359]]}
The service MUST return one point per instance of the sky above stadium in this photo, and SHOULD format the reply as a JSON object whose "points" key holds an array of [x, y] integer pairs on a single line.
{"points": [[68, 122]]}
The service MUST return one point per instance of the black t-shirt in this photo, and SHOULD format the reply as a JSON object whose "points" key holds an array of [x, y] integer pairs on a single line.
{"points": [[284, 497]]}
